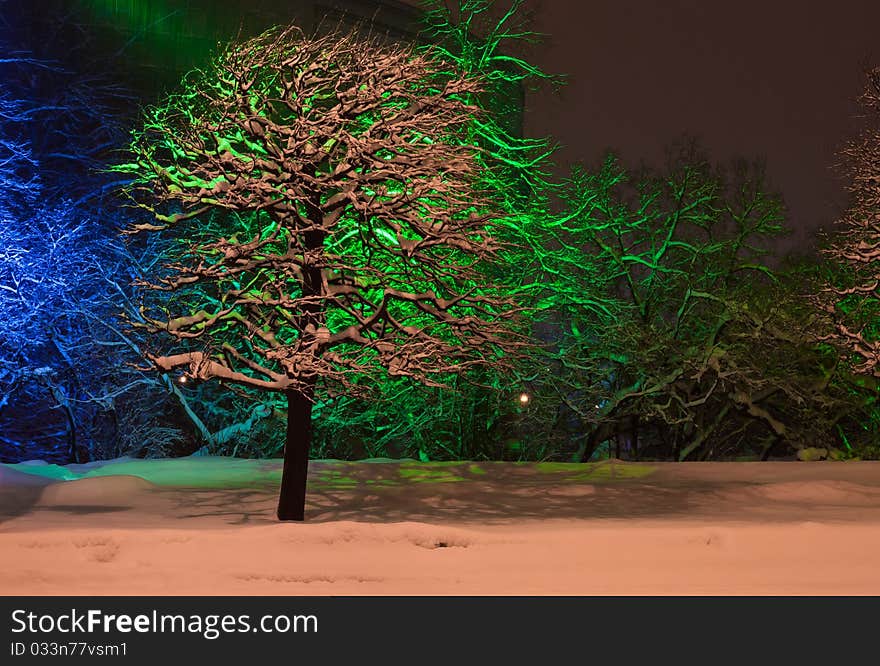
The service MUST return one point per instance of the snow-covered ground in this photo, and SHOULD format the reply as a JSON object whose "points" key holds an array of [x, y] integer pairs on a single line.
{"points": [[206, 526]]}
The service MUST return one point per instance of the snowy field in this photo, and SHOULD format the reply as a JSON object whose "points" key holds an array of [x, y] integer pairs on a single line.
{"points": [[206, 526]]}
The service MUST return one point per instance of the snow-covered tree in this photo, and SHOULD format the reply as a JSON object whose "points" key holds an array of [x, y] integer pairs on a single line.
{"points": [[853, 300], [333, 225]]}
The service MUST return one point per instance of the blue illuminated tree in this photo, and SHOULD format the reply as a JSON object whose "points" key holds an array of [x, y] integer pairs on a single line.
{"points": [[68, 388], [51, 259]]}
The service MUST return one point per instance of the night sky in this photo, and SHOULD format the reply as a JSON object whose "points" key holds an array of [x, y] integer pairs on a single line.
{"points": [[750, 78]]}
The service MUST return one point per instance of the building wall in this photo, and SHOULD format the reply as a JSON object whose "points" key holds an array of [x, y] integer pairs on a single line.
{"points": [[161, 39]]}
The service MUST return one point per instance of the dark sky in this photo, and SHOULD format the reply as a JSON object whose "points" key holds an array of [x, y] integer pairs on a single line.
{"points": [[774, 79]]}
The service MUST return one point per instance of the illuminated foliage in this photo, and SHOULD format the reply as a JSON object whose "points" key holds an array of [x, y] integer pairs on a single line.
{"points": [[486, 40], [333, 225], [478, 416]]}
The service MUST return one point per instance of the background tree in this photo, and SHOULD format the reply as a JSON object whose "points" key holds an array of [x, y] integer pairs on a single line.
{"points": [[852, 298], [333, 227], [669, 334]]}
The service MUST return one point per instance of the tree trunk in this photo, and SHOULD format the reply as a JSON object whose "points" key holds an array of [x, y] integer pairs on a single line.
{"points": [[600, 434], [64, 404], [292, 498]]}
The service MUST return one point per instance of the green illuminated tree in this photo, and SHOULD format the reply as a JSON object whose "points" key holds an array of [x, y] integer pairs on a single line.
{"points": [[673, 337], [334, 226], [487, 39], [476, 416]]}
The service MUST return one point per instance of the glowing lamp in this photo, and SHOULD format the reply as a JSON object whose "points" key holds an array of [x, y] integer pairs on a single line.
{"points": [[524, 399]]}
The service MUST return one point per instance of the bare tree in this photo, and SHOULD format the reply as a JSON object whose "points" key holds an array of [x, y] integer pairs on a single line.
{"points": [[853, 300], [333, 226], [668, 334], [53, 246]]}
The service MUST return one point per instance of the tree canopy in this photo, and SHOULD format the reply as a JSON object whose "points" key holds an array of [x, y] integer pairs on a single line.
{"points": [[352, 227]]}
